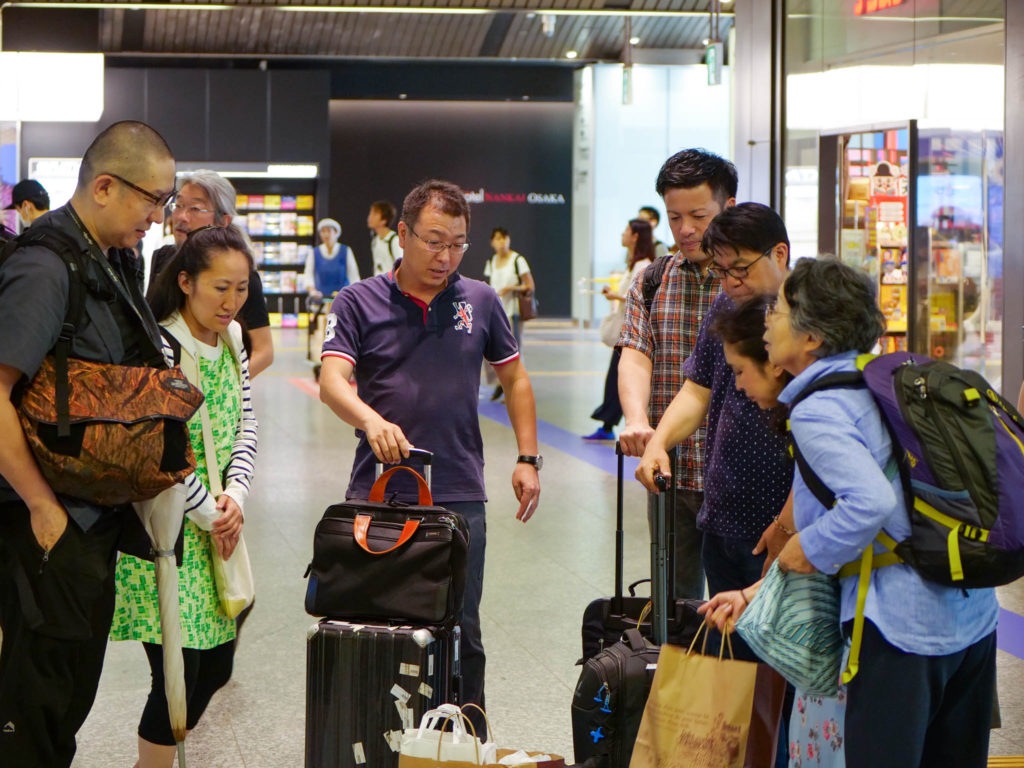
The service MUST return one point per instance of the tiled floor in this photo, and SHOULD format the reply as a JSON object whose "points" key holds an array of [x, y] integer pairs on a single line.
{"points": [[539, 577]]}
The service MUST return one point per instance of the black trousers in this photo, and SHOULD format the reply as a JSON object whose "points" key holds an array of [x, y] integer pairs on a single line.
{"points": [[206, 671], [905, 710], [610, 411], [55, 611]]}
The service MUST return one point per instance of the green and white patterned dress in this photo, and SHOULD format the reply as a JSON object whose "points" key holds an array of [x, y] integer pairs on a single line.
{"points": [[203, 624]]}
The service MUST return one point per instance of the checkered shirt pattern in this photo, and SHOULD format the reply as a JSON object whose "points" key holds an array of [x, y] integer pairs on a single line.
{"points": [[667, 337]]}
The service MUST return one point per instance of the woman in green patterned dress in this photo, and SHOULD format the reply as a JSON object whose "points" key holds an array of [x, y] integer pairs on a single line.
{"points": [[196, 298]]}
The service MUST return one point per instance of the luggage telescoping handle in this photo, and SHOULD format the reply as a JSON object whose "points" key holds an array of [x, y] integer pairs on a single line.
{"points": [[425, 456], [619, 554], [662, 551]]}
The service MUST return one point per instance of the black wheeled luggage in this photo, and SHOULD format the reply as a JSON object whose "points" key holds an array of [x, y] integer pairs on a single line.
{"points": [[612, 690], [365, 683], [606, 618]]}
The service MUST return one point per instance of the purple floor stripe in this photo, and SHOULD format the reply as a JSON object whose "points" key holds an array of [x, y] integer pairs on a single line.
{"points": [[1009, 636], [1010, 633], [600, 455]]}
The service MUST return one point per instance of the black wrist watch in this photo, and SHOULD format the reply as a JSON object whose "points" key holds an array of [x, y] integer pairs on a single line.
{"points": [[537, 461]]}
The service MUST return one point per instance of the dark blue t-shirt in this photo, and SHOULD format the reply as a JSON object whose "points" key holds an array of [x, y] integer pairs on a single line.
{"points": [[419, 368], [747, 470]]}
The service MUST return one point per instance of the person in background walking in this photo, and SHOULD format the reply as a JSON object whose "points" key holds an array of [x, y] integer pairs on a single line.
{"points": [[509, 275], [638, 240]]}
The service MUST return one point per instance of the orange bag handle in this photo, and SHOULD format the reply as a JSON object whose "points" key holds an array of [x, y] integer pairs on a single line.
{"points": [[361, 526], [377, 491]]}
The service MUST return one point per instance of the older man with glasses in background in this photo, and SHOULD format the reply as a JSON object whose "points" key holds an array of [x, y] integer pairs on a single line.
{"points": [[208, 199]]}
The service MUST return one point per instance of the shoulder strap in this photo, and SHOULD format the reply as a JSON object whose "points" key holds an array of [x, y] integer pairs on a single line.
{"points": [[391, 238], [654, 273], [70, 253], [173, 343], [845, 380]]}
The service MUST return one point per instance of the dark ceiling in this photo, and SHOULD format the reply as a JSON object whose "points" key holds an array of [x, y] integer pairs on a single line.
{"points": [[502, 30]]}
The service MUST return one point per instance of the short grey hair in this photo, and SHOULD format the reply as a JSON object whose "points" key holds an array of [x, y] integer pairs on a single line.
{"points": [[217, 188], [834, 303], [221, 193]]}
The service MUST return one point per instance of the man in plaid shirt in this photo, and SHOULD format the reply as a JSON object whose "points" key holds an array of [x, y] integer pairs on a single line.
{"points": [[695, 186]]}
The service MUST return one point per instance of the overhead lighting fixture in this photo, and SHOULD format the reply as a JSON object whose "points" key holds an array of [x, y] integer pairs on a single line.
{"points": [[705, 41], [73, 92], [634, 41], [571, 54], [445, 11]]}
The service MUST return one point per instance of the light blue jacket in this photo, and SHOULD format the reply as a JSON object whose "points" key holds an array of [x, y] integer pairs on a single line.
{"points": [[842, 436]]}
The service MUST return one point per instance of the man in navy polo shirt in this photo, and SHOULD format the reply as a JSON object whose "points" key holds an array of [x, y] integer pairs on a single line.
{"points": [[415, 338]]}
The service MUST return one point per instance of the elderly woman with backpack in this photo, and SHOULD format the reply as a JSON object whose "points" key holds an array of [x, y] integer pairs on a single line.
{"points": [[195, 299], [922, 691]]}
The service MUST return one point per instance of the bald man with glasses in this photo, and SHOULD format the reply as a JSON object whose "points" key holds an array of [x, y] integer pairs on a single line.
{"points": [[57, 552]]}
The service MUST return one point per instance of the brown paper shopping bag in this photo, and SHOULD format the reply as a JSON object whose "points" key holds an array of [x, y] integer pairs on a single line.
{"points": [[698, 712]]}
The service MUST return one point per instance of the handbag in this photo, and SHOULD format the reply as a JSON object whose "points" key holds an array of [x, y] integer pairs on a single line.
{"points": [[384, 561], [611, 327], [527, 299], [109, 434], [793, 624]]}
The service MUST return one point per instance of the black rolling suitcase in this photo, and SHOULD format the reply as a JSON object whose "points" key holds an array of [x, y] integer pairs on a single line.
{"points": [[369, 678], [365, 683], [605, 619], [609, 699]]}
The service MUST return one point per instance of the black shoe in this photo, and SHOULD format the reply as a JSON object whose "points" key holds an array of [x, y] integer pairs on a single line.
{"points": [[497, 393]]}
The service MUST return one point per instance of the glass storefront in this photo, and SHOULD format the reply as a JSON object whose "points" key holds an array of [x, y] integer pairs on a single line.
{"points": [[894, 113]]}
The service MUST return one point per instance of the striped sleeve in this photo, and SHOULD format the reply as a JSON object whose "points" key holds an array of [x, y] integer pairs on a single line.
{"points": [[242, 464]]}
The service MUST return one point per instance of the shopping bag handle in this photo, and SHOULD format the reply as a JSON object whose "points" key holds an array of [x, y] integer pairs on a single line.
{"points": [[705, 628], [461, 714], [381, 483], [361, 526]]}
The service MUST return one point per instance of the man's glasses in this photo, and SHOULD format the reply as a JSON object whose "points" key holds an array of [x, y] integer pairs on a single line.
{"points": [[157, 201], [737, 273], [191, 210], [436, 246]]}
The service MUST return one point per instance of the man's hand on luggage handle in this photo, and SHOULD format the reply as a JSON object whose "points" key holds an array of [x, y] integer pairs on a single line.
{"points": [[633, 439], [526, 484], [386, 440], [654, 460]]}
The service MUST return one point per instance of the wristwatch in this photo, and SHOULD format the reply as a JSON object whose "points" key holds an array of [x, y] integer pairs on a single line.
{"points": [[537, 461]]}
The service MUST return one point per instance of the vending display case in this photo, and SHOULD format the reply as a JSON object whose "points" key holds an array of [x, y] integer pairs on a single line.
{"points": [[873, 219], [279, 216], [911, 208]]}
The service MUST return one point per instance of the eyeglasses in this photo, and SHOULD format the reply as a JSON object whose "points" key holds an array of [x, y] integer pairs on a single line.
{"points": [[736, 273], [436, 246], [191, 210], [157, 201], [770, 309]]}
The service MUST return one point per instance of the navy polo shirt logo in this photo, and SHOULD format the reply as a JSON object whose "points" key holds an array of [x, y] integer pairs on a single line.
{"points": [[463, 316], [332, 323]]}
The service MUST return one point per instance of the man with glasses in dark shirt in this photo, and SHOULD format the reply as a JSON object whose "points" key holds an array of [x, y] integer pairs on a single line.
{"points": [[747, 470], [57, 552]]}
